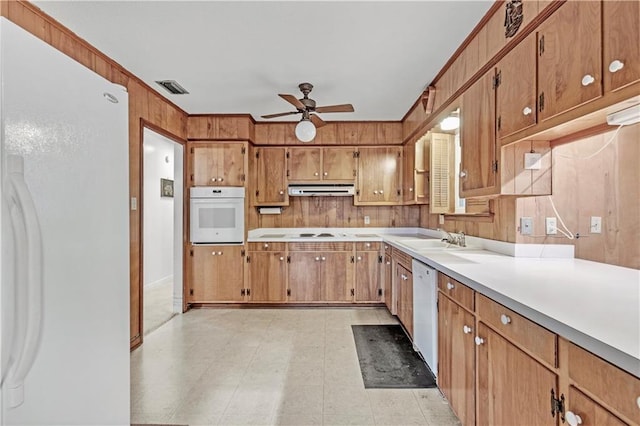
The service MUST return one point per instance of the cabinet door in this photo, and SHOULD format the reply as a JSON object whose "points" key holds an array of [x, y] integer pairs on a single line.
{"points": [[379, 175], [205, 165], [337, 276], [456, 358], [478, 170], [338, 164], [404, 294], [513, 388], [516, 91], [408, 173], [231, 159], [216, 274], [388, 284], [590, 412], [267, 276], [422, 171], [569, 58], [305, 164], [621, 32], [270, 179], [367, 276], [305, 279]]}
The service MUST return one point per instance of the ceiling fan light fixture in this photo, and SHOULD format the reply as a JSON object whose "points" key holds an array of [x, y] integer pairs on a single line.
{"points": [[305, 130]]}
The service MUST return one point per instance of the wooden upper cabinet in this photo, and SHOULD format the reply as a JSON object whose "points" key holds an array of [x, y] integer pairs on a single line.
{"points": [[215, 274], [379, 176], [569, 58], [218, 164], [516, 88], [322, 164], [409, 173], [479, 166], [621, 46], [269, 167]]}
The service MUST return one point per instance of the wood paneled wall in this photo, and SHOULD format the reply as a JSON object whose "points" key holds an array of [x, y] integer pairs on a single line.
{"points": [[338, 212], [220, 127], [589, 182], [144, 104], [334, 133]]}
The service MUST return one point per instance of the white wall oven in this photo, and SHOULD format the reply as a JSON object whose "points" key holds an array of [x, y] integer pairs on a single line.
{"points": [[217, 215]]}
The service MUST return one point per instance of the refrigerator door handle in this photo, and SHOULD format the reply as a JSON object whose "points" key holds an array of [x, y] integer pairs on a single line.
{"points": [[35, 287]]}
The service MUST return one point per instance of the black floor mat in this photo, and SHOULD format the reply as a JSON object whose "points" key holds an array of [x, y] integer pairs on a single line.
{"points": [[387, 358]]}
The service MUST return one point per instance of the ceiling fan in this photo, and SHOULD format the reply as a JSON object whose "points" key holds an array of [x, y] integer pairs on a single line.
{"points": [[307, 107]]}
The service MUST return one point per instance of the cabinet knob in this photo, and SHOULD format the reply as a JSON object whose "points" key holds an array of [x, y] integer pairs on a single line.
{"points": [[367, 245], [410, 189], [381, 191], [281, 192], [324, 258], [213, 253], [572, 418], [317, 259], [616, 66], [220, 253], [266, 245], [281, 258], [463, 174], [375, 192], [479, 341], [450, 286], [359, 258], [466, 329], [505, 319], [213, 179], [220, 179], [316, 174], [587, 80], [527, 111], [388, 263], [326, 173], [404, 277]]}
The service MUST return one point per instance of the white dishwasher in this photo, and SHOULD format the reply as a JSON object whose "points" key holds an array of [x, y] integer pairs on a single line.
{"points": [[425, 313]]}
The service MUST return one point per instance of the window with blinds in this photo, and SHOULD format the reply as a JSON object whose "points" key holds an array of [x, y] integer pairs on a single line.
{"points": [[442, 195]]}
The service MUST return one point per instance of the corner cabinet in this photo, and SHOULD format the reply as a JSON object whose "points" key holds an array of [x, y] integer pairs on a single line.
{"points": [[217, 163], [215, 274], [268, 175], [379, 176]]}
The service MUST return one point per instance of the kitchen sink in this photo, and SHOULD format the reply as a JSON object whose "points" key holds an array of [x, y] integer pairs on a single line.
{"points": [[428, 244], [311, 235]]}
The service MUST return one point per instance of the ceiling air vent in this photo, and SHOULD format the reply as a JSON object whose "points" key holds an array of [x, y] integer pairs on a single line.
{"points": [[172, 86]]}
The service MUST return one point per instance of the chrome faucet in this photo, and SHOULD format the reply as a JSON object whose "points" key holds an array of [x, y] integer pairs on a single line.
{"points": [[461, 239], [455, 239]]}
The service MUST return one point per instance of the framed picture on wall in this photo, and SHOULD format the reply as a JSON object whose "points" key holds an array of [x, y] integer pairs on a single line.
{"points": [[166, 187]]}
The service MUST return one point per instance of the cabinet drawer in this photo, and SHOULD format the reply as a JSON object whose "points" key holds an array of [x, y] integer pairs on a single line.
{"points": [[266, 246], [368, 246], [457, 291], [613, 386], [402, 258], [536, 339]]}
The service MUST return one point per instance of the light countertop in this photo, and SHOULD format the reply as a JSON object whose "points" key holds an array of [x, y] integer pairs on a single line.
{"points": [[595, 305]]}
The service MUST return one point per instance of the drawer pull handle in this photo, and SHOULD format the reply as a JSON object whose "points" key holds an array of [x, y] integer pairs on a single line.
{"points": [[616, 66], [466, 329], [450, 286], [587, 80], [527, 111], [479, 341], [572, 418], [505, 319], [368, 245]]}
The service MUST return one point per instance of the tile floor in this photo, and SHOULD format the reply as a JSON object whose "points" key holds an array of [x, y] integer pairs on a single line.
{"points": [[157, 309], [268, 367]]}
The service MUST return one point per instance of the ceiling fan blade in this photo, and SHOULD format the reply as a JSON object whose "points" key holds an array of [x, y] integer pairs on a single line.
{"points": [[280, 114], [336, 108], [317, 121], [293, 101]]}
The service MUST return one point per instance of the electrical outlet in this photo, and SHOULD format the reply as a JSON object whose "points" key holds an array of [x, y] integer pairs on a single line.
{"points": [[552, 225], [532, 161], [441, 219], [367, 220], [134, 203], [596, 225], [526, 226]]}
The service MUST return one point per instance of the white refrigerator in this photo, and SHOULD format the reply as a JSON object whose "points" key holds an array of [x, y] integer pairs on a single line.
{"points": [[65, 239]]}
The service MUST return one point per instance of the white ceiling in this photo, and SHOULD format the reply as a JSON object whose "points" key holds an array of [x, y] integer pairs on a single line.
{"points": [[236, 56]]}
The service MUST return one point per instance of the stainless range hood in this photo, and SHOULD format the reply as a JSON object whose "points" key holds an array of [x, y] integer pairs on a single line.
{"points": [[322, 189]]}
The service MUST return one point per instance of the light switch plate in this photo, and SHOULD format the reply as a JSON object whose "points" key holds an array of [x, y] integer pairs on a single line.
{"points": [[596, 225], [526, 226], [367, 220], [532, 161], [134, 203]]}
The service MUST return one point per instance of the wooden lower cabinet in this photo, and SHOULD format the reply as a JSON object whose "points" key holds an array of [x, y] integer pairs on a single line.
{"points": [[367, 264], [337, 276], [320, 276], [456, 358], [512, 387], [404, 297], [266, 276], [305, 277], [589, 412], [387, 286], [215, 274]]}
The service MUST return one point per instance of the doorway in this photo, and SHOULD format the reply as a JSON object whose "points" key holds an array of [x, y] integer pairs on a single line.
{"points": [[162, 229]]}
